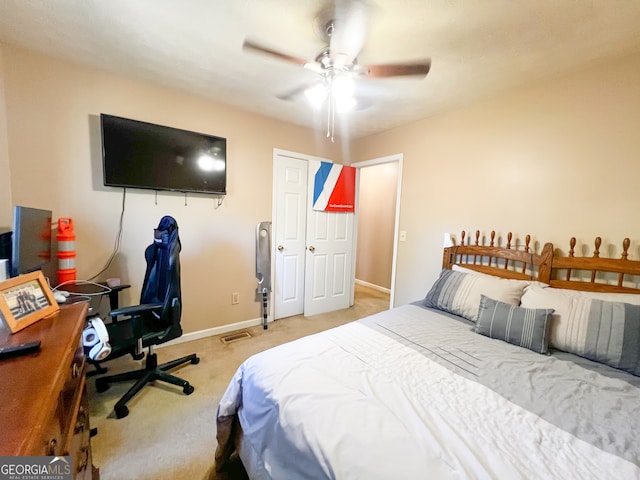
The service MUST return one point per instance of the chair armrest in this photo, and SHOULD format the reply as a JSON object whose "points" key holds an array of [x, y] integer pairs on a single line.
{"points": [[135, 309]]}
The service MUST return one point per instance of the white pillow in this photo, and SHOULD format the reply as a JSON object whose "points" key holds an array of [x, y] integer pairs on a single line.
{"points": [[567, 330], [535, 296]]}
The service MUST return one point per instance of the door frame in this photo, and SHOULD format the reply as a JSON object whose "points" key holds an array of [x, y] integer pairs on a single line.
{"points": [[398, 157]]}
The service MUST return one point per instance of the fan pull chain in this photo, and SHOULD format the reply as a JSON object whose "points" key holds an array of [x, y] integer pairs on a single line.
{"points": [[331, 116]]}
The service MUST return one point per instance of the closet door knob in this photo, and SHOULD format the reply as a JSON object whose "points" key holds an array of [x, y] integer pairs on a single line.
{"points": [[312, 248], [280, 248]]}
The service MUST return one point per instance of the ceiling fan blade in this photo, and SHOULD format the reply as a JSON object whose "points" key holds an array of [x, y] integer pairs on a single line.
{"points": [[349, 31], [396, 70], [294, 92], [253, 46]]}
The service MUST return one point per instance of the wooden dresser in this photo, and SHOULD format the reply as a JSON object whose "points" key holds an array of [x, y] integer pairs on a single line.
{"points": [[44, 408]]}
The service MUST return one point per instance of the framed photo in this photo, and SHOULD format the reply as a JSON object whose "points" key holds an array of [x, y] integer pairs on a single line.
{"points": [[26, 299]]}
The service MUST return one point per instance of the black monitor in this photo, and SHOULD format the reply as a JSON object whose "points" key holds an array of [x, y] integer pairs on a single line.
{"points": [[31, 240]]}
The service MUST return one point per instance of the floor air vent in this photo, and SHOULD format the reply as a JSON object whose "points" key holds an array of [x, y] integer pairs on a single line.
{"points": [[235, 337]]}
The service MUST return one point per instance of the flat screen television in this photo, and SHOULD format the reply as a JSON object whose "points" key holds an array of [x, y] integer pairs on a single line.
{"points": [[138, 154], [30, 240]]}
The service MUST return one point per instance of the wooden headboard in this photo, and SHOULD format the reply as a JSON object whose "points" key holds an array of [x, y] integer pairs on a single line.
{"points": [[595, 274], [510, 261]]}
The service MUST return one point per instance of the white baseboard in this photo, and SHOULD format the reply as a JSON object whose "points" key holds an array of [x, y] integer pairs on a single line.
{"points": [[211, 332], [232, 327], [372, 285]]}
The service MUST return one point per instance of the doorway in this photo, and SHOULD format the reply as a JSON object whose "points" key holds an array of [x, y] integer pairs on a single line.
{"points": [[377, 223]]}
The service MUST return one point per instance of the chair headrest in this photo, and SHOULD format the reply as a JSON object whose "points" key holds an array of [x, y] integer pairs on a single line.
{"points": [[166, 228]]}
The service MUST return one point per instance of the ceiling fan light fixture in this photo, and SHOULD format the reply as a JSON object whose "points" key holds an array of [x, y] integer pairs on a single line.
{"points": [[336, 92], [342, 88], [345, 105], [316, 95]]}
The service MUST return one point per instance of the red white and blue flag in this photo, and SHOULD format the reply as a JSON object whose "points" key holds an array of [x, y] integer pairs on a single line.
{"points": [[334, 188]]}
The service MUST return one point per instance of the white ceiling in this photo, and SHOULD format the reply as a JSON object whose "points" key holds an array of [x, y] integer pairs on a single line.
{"points": [[477, 47]]}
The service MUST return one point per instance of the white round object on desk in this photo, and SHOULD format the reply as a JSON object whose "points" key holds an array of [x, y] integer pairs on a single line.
{"points": [[59, 297]]}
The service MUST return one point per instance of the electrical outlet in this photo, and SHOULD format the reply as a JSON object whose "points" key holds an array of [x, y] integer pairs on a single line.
{"points": [[403, 235], [235, 298]]}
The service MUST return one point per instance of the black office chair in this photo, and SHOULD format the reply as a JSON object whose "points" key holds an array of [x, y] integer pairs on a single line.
{"points": [[156, 320]]}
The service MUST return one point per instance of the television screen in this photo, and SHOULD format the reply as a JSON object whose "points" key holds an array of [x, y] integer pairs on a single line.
{"points": [[31, 239], [137, 154]]}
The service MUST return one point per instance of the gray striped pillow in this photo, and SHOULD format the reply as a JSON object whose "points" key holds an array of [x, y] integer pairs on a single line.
{"points": [[525, 327], [459, 293], [606, 332]]}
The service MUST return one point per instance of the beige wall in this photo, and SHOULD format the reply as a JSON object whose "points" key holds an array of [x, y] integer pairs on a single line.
{"points": [[6, 214], [376, 221], [559, 159], [54, 150]]}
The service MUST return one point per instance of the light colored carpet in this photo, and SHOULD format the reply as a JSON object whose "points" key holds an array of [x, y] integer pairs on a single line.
{"points": [[168, 435]]}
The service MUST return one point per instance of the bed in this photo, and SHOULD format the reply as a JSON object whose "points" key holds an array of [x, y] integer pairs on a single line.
{"points": [[515, 365]]}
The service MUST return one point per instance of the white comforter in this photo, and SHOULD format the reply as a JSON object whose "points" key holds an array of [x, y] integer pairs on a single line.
{"points": [[410, 393]]}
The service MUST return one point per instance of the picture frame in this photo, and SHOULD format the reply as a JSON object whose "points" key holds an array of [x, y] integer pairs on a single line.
{"points": [[25, 299]]}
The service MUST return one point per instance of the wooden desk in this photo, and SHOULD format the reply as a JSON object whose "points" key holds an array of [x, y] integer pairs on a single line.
{"points": [[44, 408]]}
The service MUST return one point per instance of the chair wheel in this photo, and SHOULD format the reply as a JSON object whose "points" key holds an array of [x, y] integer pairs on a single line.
{"points": [[195, 361], [121, 412], [101, 385], [188, 389], [138, 356]]}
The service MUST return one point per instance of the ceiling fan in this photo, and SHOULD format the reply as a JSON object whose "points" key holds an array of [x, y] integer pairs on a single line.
{"points": [[342, 25]]}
